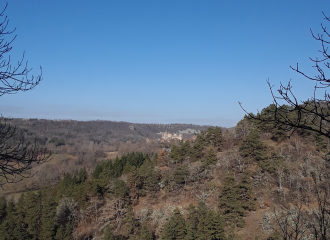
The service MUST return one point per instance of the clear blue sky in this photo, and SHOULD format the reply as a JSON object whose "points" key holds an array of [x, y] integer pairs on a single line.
{"points": [[181, 61]]}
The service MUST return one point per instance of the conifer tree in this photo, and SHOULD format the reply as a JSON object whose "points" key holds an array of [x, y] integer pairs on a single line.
{"points": [[211, 157], [214, 137], [229, 202], [218, 138], [21, 209], [64, 232], [252, 148], [211, 227], [48, 218], [246, 195], [192, 222], [79, 194], [82, 175], [33, 214], [202, 209], [175, 228], [180, 174], [97, 171], [218, 223], [60, 233], [9, 227], [201, 230], [131, 222], [68, 232], [145, 233], [191, 229], [198, 148], [21, 231], [185, 149], [176, 154]]}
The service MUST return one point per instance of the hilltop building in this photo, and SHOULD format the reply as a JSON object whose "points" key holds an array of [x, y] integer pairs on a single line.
{"points": [[169, 136]]}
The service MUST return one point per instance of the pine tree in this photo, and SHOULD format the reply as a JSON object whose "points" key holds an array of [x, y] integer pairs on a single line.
{"points": [[252, 147], [131, 222], [180, 225], [185, 149], [218, 138], [21, 231], [176, 154], [97, 171], [60, 233], [202, 209], [47, 218], [68, 232], [33, 214], [198, 148], [175, 228], [145, 233], [229, 202], [9, 227], [218, 224], [191, 229], [192, 222], [180, 174], [211, 157], [201, 230], [21, 209], [82, 175], [246, 195]]}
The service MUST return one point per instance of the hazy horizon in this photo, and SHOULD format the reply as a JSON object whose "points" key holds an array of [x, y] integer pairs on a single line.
{"points": [[160, 61]]}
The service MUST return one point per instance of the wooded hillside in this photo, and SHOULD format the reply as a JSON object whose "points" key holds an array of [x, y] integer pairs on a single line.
{"points": [[254, 181]]}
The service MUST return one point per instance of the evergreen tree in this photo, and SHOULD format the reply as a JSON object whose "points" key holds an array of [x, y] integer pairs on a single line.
{"points": [[192, 222], [175, 228], [176, 154], [68, 232], [185, 149], [82, 175], [211, 227], [218, 138], [202, 209], [145, 233], [47, 218], [214, 137], [229, 202], [246, 195], [211, 157], [9, 227], [130, 221], [60, 233], [21, 209], [197, 151], [252, 147], [79, 194], [180, 174], [21, 231], [97, 171], [33, 214], [201, 230], [108, 233], [218, 224]]}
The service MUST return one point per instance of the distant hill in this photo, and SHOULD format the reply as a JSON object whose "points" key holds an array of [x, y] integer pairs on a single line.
{"points": [[97, 131]]}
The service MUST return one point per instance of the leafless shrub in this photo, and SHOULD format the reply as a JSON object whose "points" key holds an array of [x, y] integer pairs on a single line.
{"points": [[67, 211]]}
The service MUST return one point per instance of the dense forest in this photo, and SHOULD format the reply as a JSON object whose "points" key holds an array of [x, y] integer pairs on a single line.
{"points": [[254, 181]]}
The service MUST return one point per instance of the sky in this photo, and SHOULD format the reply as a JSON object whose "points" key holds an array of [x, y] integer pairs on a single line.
{"points": [[181, 61]]}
